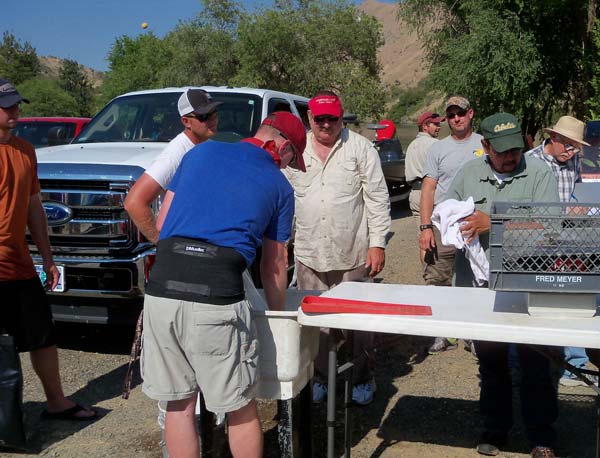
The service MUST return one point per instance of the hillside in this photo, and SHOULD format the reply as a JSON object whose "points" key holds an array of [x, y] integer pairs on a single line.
{"points": [[402, 56], [51, 67]]}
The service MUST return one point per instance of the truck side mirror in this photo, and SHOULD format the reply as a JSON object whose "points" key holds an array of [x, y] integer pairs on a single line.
{"points": [[57, 135]]}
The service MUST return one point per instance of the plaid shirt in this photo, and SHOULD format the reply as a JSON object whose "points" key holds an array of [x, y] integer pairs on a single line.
{"points": [[566, 173]]}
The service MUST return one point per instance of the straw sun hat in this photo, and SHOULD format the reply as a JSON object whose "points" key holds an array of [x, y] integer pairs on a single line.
{"points": [[569, 127]]}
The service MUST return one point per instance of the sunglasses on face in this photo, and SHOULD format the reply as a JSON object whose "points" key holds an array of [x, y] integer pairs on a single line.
{"points": [[203, 117], [453, 114], [325, 118]]}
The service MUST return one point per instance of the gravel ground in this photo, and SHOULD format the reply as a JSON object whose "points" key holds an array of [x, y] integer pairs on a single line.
{"points": [[425, 407]]}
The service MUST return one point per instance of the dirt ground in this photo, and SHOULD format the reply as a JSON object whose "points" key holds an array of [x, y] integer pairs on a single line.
{"points": [[425, 406]]}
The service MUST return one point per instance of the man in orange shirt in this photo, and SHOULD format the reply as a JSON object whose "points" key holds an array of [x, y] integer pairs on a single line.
{"points": [[25, 313]]}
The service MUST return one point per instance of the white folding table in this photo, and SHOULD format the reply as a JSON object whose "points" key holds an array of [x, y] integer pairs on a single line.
{"points": [[467, 313]]}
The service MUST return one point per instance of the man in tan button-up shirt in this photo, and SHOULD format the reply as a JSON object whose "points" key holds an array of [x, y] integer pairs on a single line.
{"points": [[342, 219]]}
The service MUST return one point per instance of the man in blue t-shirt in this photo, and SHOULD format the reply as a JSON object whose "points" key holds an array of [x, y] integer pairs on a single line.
{"points": [[224, 202]]}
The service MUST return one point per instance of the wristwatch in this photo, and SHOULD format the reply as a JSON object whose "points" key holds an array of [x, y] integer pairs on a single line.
{"points": [[422, 227]]}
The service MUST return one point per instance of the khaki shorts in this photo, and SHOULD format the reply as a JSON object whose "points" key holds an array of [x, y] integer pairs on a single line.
{"points": [[191, 346]]}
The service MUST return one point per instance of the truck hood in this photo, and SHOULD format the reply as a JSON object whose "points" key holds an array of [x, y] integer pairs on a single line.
{"points": [[128, 154]]}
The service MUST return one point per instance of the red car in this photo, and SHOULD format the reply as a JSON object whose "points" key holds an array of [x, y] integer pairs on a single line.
{"points": [[49, 131]]}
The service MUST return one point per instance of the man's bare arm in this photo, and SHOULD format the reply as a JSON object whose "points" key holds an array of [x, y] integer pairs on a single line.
{"points": [[273, 272], [426, 239], [38, 227], [138, 205]]}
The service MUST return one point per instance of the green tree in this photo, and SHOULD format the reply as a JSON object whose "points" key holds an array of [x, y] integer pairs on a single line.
{"points": [[203, 47], [318, 45], [74, 81], [529, 58], [18, 62], [47, 98], [134, 64]]}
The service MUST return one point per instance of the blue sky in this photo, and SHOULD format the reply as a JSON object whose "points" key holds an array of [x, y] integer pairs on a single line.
{"points": [[84, 30]]}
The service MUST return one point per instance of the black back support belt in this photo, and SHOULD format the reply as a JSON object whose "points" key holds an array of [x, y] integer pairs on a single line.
{"points": [[196, 271]]}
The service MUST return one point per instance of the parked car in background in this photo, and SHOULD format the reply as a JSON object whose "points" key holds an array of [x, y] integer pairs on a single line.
{"points": [[590, 168], [49, 131], [392, 159]]}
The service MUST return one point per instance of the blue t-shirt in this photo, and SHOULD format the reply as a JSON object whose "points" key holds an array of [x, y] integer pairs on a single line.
{"points": [[230, 195]]}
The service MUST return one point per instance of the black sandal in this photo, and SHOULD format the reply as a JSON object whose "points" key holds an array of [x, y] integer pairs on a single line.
{"points": [[69, 414]]}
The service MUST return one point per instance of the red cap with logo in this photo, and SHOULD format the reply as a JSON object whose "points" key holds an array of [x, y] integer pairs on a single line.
{"points": [[326, 105], [291, 127]]}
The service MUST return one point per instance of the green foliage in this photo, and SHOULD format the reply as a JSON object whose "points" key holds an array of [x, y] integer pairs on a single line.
{"points": [[408, 100], [594, 101], [74, 81], [18, 62], [47, 98], [322, 45], [135, 64], [525, 58]]}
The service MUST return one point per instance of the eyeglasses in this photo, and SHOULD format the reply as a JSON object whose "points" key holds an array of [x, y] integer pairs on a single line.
{"points": [[203, 117], [325, 118], [569, 147], [461, 113]]}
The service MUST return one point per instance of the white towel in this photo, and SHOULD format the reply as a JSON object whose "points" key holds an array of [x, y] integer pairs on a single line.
{"points": [[447, 218]]}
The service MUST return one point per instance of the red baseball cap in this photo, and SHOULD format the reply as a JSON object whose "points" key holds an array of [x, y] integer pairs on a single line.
{"points": [[388, 132], [326, 105], [291, 127], [429, 116]]}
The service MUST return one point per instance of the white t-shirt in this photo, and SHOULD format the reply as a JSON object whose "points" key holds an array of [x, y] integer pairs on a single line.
{"points": [[165, 165]]}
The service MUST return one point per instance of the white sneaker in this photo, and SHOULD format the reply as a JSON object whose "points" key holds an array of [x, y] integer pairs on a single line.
{"points": [[319, 391], [575, 381], [363, 393]]}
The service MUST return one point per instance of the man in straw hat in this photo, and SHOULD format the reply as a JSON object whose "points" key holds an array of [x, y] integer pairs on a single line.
{"points": [[561, 152], [504, 173]]}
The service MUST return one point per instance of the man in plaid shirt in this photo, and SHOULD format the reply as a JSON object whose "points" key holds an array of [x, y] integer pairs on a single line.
{"points": [[561, 152]]}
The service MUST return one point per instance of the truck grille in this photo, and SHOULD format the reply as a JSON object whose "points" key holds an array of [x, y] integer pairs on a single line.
{"points": [[98, 222]]}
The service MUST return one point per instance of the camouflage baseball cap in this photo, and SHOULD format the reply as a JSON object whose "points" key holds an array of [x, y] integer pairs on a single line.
{"points": [[503, 131], [458, 101]]}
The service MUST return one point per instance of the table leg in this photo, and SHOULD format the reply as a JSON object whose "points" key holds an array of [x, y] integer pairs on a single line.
{"points": [[331, 377], [348, 393], [294, 426]]}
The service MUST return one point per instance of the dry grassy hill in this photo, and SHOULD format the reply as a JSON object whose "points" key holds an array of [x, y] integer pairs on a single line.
{"points": [[51, 67], [402, 56]]}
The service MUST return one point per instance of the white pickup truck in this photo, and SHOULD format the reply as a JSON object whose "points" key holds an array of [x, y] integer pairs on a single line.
{"points": [[104, 260]]}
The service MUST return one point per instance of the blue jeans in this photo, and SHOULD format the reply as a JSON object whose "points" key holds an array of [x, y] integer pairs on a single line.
{"points": [[575, 356], [539, 403]]}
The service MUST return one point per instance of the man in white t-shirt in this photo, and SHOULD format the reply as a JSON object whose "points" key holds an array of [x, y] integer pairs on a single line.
{"points": [[199, 118]]}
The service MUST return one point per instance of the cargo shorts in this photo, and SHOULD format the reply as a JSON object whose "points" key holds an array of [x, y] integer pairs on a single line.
{"points": [[189, 347]]}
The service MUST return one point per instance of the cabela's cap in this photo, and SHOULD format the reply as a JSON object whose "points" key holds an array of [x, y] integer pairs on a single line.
{"points": [[196, 101], [503, 131], [9, 96], [326, 105], [458, 101], [569, 127], [429, 116], [291, 127]]}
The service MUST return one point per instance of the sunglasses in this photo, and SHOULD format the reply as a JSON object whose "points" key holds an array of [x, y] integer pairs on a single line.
{"points": [[325, 118], [203, 117], [454, 114]]}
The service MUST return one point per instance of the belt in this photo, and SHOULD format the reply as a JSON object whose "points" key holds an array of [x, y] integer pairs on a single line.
{"points": [[416, 184]]}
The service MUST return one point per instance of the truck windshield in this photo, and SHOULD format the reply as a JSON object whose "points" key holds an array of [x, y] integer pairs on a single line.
{"points": [[153, 117], [36, 132]]}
